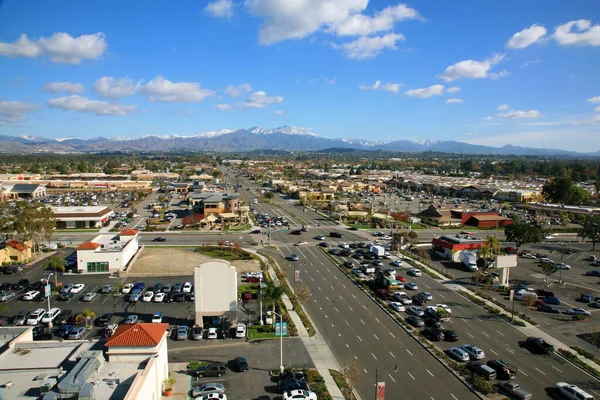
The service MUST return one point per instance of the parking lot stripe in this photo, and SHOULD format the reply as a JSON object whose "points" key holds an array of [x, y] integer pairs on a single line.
{"points": [[408, 351], [376, 336], [359, 338], [485, 334], [411, 376], [336, 310], [363, 322], [500, 333], [392, 335], [523, 372], [470, 335], [327, 298], [377, 320], [492, 350], [453, 396], [392, 354], [350, 308], [391, 377], [374, 356]]}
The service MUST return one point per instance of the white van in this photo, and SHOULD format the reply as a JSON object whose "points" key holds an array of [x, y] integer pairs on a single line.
{"points": [[573, 392]]}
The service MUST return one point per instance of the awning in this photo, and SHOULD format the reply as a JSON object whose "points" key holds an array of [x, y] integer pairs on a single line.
{"points": [[356, 213], [228, 215], [381, 216]]}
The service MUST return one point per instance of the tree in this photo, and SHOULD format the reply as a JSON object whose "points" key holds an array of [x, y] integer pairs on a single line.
{"points": [[269, 195], [493, 244], [590, 230], [272, 295], [32, 222], [521, 233], [57, 264], [302, 293], [86, 315], [352, 374], [561, 190], [548, 268]]}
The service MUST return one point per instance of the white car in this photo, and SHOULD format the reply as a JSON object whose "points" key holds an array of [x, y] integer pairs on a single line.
{"points": [[51, 315], [77, 288], [397, 306], [344, 245], [458, 354], [212, 333], [403, 298], [187, 287], [301, 243], [562, 266], [29, 296], [299, 394], [240, 331], [414, 272], [444, 307], [578, 311], [529, 256], [213, 396], [159, 297], [474, 352], [36, 316], [157, 318], [148, 296], [127, 288]]}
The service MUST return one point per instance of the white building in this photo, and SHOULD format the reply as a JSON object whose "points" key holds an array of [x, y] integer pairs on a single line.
{"points": [[108, 253], [215, 284], [81, 217]]}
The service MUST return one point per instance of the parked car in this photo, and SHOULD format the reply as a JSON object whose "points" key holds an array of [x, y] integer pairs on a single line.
{"points": [[414, 272], [36, 317], [213, 369], [299, 394], [106, 289], [6, 296], [503, 369], [31, 295], [159, 239], [183, 332], [572, 391], [240, 330], [513, 389], [240, 364], [77, 333], [206, 388], [539, 345], [132, 319], [51, 315], [474, 352], [89, 296], [434, 334], [103, 320], [548, 309], [197, 333], [22, 317], [187, 287], [157, 318], [451, 336], [415, 321], [77, 288], [578, 311], [397, 306], [594, 272], [148, 296], [66, 288]]}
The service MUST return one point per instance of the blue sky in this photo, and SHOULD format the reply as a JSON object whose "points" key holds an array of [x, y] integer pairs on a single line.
{"points": [[493, 73]]}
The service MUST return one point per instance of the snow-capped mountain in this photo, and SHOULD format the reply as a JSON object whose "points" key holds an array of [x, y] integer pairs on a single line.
{"points": [[287, 130]]}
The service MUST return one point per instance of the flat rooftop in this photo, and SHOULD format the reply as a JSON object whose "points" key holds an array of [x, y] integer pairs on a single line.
{"points": [[38, 355], [461, 239], [114, 380], [78, 209]]}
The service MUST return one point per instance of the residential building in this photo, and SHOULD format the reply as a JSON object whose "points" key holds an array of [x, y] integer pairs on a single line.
{"points": [[81, 217], [439, 216], [108, 253], [14, 251]]}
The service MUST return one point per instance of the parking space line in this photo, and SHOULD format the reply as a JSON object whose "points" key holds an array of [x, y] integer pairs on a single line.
{"points": [[374, 356], [485, 334], [470, 335], [376, 336], [327, 298], [408, 351], [377, 320], [453, 396], [392, 335], [359, 338], [336, 310], [350, 308], [411, 376], [492, 350], [392, 354], [500, 333], [523, 372], [363, 322]]}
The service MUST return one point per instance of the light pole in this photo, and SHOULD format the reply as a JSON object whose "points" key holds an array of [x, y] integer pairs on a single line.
{"points": [[47, 279], [260, 317], [280, 342], [377, 376], [562, 253]]}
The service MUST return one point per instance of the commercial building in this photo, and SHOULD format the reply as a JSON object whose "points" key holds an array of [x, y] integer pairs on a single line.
{"points": [[449, 247], [22, 190], [81, 217], [215, 284], [215, 203], [135, 365], [108, 253]]}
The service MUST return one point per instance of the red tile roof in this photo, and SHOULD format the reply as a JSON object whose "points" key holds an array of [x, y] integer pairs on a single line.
{"points": [[129, 232], [137, 335], [88, 246], [15, 244]]}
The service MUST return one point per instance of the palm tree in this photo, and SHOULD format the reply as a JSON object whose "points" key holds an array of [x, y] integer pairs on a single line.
{"points": [[88, 315], [57, 264], [493, 244], [272, 295], [484, 253]]}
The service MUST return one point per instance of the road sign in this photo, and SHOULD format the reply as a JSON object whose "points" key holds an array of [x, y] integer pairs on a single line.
{"points": [[285, 329], [380, 390], [47, 290], [512, 294], [297, 277]]}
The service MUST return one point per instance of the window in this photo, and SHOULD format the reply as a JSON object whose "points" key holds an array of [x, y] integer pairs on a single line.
{"points": [[97, 266]]}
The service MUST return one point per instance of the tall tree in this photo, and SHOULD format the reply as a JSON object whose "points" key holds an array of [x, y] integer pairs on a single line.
{"points": [[590, 230], [57, 264], [32, 222], [272, 295], [493, 243], [522, 233]]}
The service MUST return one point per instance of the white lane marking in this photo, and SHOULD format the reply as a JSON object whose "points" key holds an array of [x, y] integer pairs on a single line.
{"points": [[376, 336], [339, 334], [511, 351], [470, 335], [331, 287], [593, 391], [336, 310], [336, 278], [354, 296], [539, 370], [411, 376], [477, 318], [347, 345], [500, 333], [341, 298], [365, 371], [319, 287], [442, 296], [391, 377], [350, 308], [356, 357], [377, 320], [521, 371], [392, 354], [428, 371], [392, 335], [408, 351], [363, 322], [492, 350], [347, 323], [485, 334], [453, 396], [461, 309], [327, 298], [311, 278], [464, 320], [359, 338], [365, 307], [374, 356], [556, 369], [344, 286]]}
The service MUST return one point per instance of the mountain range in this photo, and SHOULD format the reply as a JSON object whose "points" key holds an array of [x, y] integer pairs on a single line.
{"points": [[287, 138]]}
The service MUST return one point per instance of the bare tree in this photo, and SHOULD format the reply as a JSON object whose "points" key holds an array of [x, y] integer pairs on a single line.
{"points": [[529, 300], [352, 374], [302, 293]]}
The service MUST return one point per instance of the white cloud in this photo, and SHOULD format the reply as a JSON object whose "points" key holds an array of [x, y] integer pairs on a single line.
{"points": [[434, 90], [369, 47], [295, 19], [498, 75], [386, 87], [260, 99], [78, 103], [471, 69], [597, 109], [454, 100], [60, 47], [223, 107], [68, 87], [163, 90], [488, 118], [12, 112], [382, 21], [526, 37], [278, 112], [113, 89], [578, 33], [330, 81], [453, 89], [530, 62], [518, 114], [220, 8], [503, 107], [234, 91], [594, 100]]}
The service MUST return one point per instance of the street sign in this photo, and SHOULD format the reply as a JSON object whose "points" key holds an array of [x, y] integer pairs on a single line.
{"points": [[285, 329], [47, 290], [297, 276], [380, 390], [512, 294]]}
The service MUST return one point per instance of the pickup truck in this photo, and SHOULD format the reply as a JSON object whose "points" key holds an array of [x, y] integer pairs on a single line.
{"points": [[503, 369], [539, 345]]}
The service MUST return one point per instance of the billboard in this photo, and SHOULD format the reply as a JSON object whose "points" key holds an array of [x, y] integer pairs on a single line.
{"points": [[277, 329]]}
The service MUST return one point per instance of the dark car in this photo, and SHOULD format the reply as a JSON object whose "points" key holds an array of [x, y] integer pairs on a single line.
{"points": [[159, 239], [157, 287], [415, 321], [585, 298], [291, 384], [22, 284], [539, 345], [170, 297], [255, 231], [548, 309], [64, 317], [103, 320], [434, 334], [214, 369], [594, 272], [66, 296], [544, 293], [42, 333], [240, 364], [348, 264], [432, 322], [296, 232], [180, 297], [335, 235], [503, 369], [63, 331], [552, 300], [451, 336], [418, 299], [352, 228]]}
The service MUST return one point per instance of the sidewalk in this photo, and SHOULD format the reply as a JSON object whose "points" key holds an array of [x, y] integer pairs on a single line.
{"points": [[528, 329]]}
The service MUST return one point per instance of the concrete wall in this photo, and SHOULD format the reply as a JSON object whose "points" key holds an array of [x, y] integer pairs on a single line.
{"points": [[114, 259], [215, 284]]}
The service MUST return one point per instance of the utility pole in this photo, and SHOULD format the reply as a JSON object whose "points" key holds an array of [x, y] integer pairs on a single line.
{"points": [[562, 253]]}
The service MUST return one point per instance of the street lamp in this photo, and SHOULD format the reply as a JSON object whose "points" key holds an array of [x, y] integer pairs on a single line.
{"points": [[47, 279], [377, 376], [260, 317], [562, 253], [280, 341]]}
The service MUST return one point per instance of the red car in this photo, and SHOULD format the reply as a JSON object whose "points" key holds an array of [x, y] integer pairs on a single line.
{"points": [[252, 279], [510, 250], [383, 294], [247, 296], [400, 278]]}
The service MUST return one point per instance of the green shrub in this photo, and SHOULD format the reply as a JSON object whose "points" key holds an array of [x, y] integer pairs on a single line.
{"points": [[481, 385]]}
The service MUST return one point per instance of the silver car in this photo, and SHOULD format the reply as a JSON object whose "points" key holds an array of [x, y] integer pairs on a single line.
{"points": [[6, 296], [206, 388], [183, 332]]}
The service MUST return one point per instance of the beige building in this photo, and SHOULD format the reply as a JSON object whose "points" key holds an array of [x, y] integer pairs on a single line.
{"points": [[215, 284], [14, 251]]}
